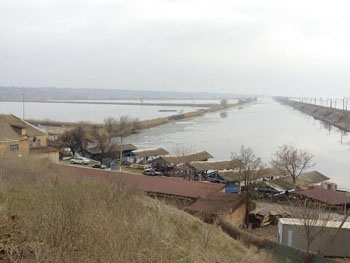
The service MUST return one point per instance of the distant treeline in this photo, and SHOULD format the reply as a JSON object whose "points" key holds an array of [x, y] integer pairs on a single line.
{"points": [[53, 93]]}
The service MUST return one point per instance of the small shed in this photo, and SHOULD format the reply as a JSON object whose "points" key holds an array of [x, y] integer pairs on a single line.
{"points": [[126, 149], [210, 208], [148, 154], [291, 232], [94, 151], [48, 153]]}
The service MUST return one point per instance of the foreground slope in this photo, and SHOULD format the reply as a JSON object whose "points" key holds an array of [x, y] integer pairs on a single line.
{"points": [[47, 216]]}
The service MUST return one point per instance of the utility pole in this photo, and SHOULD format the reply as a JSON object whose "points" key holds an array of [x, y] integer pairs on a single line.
{"points": [[23, 108], [121, 154]]}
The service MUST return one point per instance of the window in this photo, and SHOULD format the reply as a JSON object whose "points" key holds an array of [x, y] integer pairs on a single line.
{"points": [[38, 144], [30, 144], [14, 147]]}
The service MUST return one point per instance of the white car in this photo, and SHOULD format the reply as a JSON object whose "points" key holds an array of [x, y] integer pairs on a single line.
{"points": [[80, 160]]}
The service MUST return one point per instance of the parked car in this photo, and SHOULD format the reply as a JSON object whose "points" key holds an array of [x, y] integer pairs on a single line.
{"points": [[100, 166], [151, 171], [80, 160]]}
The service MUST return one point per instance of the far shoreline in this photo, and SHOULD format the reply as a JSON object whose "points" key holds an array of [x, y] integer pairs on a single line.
{"points": [[141, 125]]}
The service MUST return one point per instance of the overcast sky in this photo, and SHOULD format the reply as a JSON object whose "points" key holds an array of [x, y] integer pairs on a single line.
{"points": [[259, 46]]}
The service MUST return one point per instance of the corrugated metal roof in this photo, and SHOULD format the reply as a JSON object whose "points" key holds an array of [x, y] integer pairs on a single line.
{"points": [[231, 175], [286, 183], [199, 156], [158, 185], [313, 177], [326, 196], [150, 152], [115, 148], [216, 165], [8, 125], [217, 204], [126, 147], [329, 223]]}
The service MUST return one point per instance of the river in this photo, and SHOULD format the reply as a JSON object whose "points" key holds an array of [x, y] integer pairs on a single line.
{"points": [[264, 126], [75, 111]]}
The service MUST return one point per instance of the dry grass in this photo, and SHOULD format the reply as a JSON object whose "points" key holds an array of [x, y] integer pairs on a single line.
{"points": [[47, 216]]}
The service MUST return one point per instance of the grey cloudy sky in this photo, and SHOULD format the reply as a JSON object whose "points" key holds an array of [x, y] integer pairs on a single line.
{"points": [[258, 46]]}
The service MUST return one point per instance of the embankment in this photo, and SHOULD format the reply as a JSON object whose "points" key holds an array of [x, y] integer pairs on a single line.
{"points": [[160, 121], [60, 127], [335, 117]]}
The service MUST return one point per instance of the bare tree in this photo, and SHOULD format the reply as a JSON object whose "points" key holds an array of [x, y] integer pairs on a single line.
{"points": [[224, 103], [249, 168], [249, 165], [314, 219], [75, 139], [120, 128], [182, 150], [291, 160], [104, 142], [111, 125]]}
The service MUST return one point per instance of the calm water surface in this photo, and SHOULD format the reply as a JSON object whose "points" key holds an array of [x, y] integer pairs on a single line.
{"points": [[75, 112], [263, 126]]}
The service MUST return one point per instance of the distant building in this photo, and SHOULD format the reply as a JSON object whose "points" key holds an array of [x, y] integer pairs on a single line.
{"points": [[20, 138]]}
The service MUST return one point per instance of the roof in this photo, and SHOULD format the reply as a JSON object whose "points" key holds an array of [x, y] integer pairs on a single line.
{"points": [[47, 149], [286, 183], [217, 204], [199, 156], [157, 185], [313, 177], [150, 152], [326, 196], [215, 165], [116, 148], [126, 147], [298, 221], [9, 125], [231, 175]]}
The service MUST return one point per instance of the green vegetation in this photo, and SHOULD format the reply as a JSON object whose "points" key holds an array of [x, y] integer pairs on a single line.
{"points": [[47, 216]]}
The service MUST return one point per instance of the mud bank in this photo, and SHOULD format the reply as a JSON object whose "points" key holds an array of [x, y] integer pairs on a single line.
{"points": [[335, 117], [56, 127]]}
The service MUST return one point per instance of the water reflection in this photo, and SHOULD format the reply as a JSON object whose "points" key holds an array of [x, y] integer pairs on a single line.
{"points": [[263, 126], [324, 126], [223, 114]]}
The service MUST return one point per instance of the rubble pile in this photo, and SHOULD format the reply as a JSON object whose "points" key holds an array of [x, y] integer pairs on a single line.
{"points": [[265, 218]]}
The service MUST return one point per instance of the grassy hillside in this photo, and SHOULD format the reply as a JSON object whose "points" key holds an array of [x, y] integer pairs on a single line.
{"points": [[47, 216]]}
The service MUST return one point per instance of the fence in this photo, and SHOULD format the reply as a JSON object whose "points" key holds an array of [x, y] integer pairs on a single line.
{"points": [[335, 103]]}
